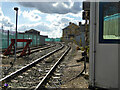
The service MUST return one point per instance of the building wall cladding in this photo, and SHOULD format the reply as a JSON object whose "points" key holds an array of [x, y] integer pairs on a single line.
{"points": [[42, 40]]}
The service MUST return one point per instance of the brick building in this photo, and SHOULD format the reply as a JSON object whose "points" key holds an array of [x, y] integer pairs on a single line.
{"points": [[74, 33]]}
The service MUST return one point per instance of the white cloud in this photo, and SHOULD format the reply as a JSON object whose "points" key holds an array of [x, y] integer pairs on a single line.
{"points": [[66, 20], [39, 26], [32, 15], [44, 28], [53, 25], [52, 34], [1, 13], [55, 4], [58, 16], [76, 15], [58, 19], [52, 7], [69, 4], [83, 21], [54, 22], [5, 21], [52, 18], [54, 28]]}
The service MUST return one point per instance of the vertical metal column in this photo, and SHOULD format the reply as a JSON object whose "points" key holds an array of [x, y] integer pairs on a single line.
{"points": [[39, 39], [28, 37], [32, 40], [36, 39], [16, 9], [8, 38], [23, 42]]}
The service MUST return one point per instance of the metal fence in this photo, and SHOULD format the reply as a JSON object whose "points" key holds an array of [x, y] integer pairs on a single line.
{"points": [[6, 37], [52, 39]]}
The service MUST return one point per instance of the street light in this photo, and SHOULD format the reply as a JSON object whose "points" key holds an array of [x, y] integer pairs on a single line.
{"points": [[16, 9], [2, 28]]}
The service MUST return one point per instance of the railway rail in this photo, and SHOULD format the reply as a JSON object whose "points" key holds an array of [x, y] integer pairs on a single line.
{"points": [[36, 73], [53, 72], [19, 49], [34, 49], [37, 49], [17, 65]]}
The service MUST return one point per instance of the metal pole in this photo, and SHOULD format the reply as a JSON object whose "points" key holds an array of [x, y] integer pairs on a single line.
{"points": [[32, 39], [2, 28], [16, 9], [8, 38], [23, 38], [2, 37], [36, 39]]}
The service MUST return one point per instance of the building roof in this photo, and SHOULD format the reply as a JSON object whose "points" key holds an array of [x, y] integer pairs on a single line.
{"points": [[76, 27], [44, 36], [69, 26], [32, 30]]}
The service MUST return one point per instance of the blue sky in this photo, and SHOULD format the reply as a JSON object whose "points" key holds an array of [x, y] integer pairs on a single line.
{"points": [[48, 18]]}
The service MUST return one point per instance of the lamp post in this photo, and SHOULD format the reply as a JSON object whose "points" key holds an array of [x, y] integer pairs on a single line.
{"points": [[2, 28], [8, 34], [16, 9]]}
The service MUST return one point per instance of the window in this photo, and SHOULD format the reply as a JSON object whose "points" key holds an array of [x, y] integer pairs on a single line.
{"points": [[109, 17]]}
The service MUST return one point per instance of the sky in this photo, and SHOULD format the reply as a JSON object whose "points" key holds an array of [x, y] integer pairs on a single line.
{"points": [[47, 17]]}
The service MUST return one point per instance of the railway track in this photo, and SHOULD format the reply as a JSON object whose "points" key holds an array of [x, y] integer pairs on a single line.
{"points": [[39, 47], [21, 48], [33, 75], [52, 77], [39, 53], [36, 49], [33, 49]]}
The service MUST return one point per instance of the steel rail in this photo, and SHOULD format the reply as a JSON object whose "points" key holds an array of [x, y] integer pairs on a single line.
{"points": [[18, 51], [32, 48], [19, 48], [36, 50], [51, 70], [17, 72]]}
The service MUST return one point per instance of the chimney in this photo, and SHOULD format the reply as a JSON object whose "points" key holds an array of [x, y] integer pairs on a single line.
{"points": [[79, 23], [70, 23]]}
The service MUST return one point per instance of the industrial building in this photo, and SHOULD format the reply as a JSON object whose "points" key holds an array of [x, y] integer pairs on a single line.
{"points": [[32, 31]]}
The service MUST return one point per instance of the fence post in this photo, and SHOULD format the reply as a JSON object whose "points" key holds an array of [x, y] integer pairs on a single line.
{"points": [[39, 39], [32, 40], [23, 38], [8, 38], [28, 36], [36, 39]]}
